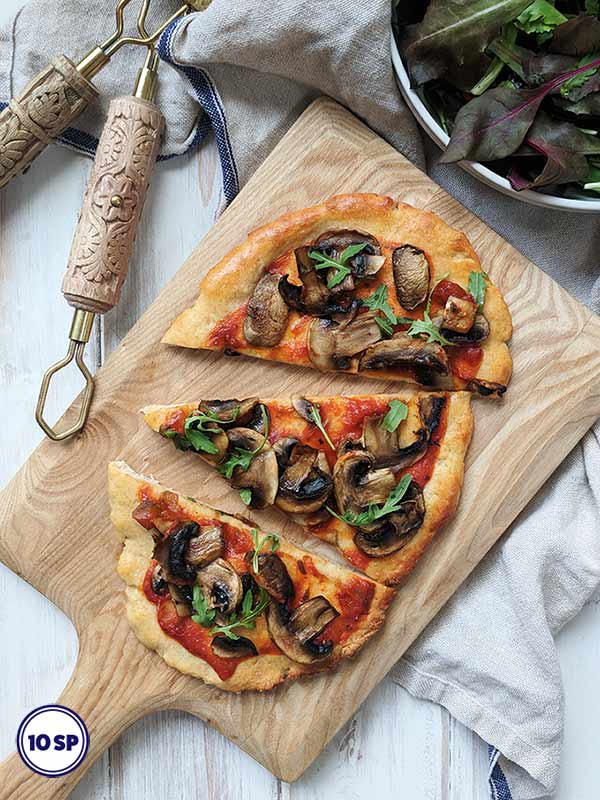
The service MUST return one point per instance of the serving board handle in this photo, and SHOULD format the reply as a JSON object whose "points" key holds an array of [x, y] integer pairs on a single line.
{"points": [[109, 699]]}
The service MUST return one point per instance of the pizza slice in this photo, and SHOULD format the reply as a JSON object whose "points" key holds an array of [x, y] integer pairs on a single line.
{"points": [[358, 284], [376, 476], [220, 600]]}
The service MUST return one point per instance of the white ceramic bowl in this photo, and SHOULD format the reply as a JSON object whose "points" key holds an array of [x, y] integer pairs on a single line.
{"points": [[441, 138]]}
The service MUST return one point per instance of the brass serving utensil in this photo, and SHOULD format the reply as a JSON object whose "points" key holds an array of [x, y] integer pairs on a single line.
{"points": [[59, 94], [108, 222]]}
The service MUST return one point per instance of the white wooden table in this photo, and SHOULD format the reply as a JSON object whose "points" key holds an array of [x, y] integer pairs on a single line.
{"points": [[395, 746]]}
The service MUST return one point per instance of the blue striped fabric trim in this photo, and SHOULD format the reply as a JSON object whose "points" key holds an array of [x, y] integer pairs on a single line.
{"points": [[211, 104], [499, 789]]}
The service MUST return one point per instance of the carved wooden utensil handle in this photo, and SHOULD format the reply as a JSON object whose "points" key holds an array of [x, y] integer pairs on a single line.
{"points": [[48, 105], [112, 205]]}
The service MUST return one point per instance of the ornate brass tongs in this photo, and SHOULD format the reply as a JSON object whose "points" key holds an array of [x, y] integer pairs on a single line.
{"points": [[59, 94], [111, 208]]}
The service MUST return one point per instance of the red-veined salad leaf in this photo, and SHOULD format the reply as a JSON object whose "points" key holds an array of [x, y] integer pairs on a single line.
{"points": [[495, 124], [577, 36], [453, 36], [565, 148]]}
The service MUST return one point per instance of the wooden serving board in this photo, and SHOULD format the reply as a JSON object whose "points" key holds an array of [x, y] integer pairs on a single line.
{"points": [[54, 520]]}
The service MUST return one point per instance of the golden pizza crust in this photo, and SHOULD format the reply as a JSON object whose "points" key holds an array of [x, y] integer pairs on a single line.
{"points": [[260, 673], [441, 493], [230, 283]]}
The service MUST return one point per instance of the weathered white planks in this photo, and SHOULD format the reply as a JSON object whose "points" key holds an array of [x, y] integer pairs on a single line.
{"points": [[395, 746]]}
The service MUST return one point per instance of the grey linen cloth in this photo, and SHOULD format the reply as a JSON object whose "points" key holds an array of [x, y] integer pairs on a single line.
{"points": [[489, 657]]}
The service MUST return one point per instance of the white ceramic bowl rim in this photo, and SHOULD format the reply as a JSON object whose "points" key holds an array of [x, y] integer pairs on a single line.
{"points": [[488, 176]]}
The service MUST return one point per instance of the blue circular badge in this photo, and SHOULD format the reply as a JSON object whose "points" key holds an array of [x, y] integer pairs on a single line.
{"points": [[52, 740]]}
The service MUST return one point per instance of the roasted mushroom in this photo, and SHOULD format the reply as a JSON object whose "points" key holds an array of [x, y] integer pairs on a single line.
{"points": [[333, 346], [220, 585], [459, 314], [393, 532], [182, 599], [486, 388], [214, 433], [267, 313], [405, 351], [411, 275], [262, 475], [384, 445], [295, 633], [304, 485], [206, 546], [365, 263], [177, 568], [230, 412], [224, 647], [357, 486], [273, 577], [158, 582], [313, 296], [356, 483]]}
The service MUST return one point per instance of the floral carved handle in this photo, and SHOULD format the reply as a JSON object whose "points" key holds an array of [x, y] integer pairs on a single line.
{"points": [[112, 205], [48, 105]]}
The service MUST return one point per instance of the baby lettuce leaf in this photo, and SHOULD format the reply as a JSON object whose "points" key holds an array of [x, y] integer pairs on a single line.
{"points": [[533, 68], [452, 38], [494, 125], [577, 36], [540, 18], [565, 148]]}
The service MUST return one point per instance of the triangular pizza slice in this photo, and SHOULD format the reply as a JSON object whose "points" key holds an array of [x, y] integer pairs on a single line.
{"points": [[220, 600], [358, 284], [377, 476]]}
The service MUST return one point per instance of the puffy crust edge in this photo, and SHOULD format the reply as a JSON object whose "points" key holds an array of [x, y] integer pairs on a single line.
{"points": [[257, 674]]}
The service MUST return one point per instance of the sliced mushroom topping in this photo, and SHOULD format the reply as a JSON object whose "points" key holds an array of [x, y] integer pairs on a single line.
{"points": [[224, 647], [310, 618], [392, 533], [384, 446], [267, 313], [306, 652], [302, 406], [356, 336], [262, 476], [313, 296], [411, 275], [158, 582], [283, 450], [230, 412], [220, 585], [204, 548], [273, 577], [333, 244], [332, 346], [182, 599], [171, 554], [349, 477], [375, 487], [486, 388], [259, 417], [405, 351], [459, 314], [321, 344], [303, 485]]}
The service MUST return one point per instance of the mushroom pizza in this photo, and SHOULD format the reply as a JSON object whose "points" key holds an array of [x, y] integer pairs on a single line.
{"points": [[359, 284], [220, 600], [377, 476]]}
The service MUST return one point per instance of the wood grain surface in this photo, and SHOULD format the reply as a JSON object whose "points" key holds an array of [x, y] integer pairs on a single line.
{"points": [[64, 548]]}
